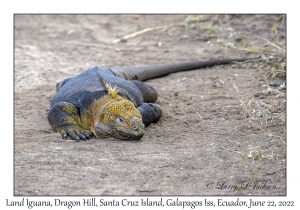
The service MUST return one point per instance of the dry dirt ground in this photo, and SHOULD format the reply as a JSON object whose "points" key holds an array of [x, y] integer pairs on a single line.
{"points": [[222, 130]]}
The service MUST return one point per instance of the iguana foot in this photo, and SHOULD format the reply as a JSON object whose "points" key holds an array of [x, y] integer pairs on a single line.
{"points": [[76, 133], [151, 113]]}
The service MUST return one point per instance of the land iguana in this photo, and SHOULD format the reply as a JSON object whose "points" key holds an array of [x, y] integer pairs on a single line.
{"points": [[112, 102]]}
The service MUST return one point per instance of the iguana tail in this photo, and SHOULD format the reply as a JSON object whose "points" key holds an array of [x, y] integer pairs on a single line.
{"points": [[151, 72]]}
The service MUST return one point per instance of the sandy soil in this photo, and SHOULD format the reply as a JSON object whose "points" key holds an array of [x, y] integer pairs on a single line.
{"points": [[221, 126]]}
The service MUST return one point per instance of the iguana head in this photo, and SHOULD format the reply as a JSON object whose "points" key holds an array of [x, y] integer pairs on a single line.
{"points": [[123, 120], [118, 118]]}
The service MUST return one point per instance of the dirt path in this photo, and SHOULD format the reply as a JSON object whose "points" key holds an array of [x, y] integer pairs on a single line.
{"points": [[211, 130]]}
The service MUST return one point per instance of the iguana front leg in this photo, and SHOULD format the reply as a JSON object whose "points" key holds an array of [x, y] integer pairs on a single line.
{"points": [[65, 119]]}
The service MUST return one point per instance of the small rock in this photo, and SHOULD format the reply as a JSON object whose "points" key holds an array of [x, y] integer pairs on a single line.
{"points": [[218, 83]]}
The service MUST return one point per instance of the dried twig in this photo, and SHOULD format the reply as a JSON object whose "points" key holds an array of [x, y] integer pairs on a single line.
{"points": [[247, 50], [273, 125], [271, 173], [153, 29], [230, 150], [145, 31], [270, 43], [146, 190]]}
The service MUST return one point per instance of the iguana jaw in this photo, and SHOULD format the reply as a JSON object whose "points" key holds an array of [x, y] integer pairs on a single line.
{"points": [[102, 131], [134, 132]]}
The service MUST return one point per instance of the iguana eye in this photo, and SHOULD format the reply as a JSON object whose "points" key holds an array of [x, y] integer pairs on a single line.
{"points": [[120, 120]]}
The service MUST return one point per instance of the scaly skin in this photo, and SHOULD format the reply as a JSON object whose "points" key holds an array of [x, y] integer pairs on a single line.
{"points": [[77, 127], [115, 116], [109, 116]]}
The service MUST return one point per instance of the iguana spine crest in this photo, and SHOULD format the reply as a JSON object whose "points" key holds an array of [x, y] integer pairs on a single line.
{"points": [[112, 91]]}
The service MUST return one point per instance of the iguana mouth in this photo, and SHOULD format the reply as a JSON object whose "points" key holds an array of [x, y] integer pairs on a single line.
{"points": [[125, 136], [103, 131]]}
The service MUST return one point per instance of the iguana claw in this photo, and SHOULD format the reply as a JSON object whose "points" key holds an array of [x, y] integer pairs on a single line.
{"points": [[76, 133]]}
